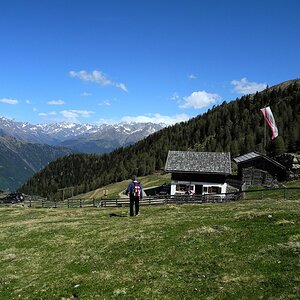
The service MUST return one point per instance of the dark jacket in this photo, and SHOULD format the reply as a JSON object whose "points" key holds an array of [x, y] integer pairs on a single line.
{"points": [[130, 189]]}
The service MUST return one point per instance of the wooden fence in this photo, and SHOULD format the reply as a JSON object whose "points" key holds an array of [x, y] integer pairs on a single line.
{"points": [[272, 193]]}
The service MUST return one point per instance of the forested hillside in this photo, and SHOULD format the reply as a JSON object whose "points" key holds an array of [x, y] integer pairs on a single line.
{"points": [[237, 126]]}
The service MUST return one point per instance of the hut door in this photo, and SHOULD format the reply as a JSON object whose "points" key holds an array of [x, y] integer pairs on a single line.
{"points": [[263, 181], [198, 189]]}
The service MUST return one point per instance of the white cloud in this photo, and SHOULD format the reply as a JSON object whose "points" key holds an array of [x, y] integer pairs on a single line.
{"points": [[106, 102], [86, 94], [56, 102], [192, 76], [51, 113], [73, 114], [199, 100], [94, 76], [34, 109], [9, 101], [156, 118], [122, 86], [175, 96], [245, 87], [27, 101], [97, 77], [106, 121]]}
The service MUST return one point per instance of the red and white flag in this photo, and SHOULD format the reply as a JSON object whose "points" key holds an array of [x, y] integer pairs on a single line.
{"points": [[270, 120]]}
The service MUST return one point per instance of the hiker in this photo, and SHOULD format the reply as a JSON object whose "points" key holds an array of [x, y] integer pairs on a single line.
{"points": [[135, 194]]}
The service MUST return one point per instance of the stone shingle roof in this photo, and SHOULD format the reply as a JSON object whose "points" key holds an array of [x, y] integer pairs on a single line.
{"points": [[198, 162]]}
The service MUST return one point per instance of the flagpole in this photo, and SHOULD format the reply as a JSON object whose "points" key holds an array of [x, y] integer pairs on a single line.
{"points": [[265, 134]]}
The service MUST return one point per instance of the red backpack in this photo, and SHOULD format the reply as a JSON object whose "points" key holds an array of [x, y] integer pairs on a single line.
{"points": [[136, 189]]}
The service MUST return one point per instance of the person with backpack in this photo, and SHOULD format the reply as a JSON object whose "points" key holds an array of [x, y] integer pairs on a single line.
{"points": [[135, 192]]}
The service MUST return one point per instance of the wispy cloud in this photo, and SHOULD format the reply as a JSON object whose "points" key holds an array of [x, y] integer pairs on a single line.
{"points": [[199, 100], [56, 102], [86, 94], [106, 121], [51, 113], [121, 86], [245, 87], [97, 77], [105, 102], [192, 76], [175, 96], [72, 115], [27, 101], [156, 118], [9, 101]]}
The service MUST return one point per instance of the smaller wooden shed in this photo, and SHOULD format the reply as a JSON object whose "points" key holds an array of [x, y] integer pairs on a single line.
{"points": [[258, 169]]}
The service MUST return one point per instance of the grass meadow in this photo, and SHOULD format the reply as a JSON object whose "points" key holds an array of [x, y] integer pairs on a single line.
{"points": [[240, 250]]}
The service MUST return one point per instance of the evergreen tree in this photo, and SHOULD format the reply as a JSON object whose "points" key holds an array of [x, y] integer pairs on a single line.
{"points": [[276, 147]]}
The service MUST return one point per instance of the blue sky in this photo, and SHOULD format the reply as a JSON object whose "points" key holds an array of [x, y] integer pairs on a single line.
{"points": [[91, 61]]}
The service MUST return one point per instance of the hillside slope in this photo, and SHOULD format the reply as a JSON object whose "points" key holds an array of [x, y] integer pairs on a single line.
{"points": [[237, 126], [20, 160]]}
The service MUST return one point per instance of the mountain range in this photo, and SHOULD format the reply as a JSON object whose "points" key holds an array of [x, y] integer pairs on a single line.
{"points": [[83, 138], [26, 148]]}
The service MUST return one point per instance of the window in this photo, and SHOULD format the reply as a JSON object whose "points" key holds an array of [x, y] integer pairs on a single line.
{"points": [[214, 190], [181, 187], [185, 189]]}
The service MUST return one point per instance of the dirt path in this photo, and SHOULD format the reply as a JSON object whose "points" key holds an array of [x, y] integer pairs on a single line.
{"points": [[122, 195], [94, 193]]}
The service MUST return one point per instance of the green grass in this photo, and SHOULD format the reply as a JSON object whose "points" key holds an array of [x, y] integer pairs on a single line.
{"points": [[280, 193], [238, 250]]}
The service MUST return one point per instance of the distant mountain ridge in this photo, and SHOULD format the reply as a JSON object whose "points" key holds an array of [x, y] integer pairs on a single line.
{"points": [[19, 160], [84, 138]]}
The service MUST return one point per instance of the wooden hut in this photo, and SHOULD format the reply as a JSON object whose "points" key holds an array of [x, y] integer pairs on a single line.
{"points": [[258, 169], [198, 172]]}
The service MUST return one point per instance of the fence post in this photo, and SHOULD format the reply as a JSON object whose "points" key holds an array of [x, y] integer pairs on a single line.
{"points": [[30, 202], [284, 194], [68, 203], [80, 203], [262, 195], [42, 203]]}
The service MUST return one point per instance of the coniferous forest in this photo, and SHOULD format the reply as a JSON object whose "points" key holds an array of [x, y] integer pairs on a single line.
{"points": [[237, 127]]}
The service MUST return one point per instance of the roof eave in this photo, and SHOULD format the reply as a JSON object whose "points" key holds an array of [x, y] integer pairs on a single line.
{"points": [[197, 172]]}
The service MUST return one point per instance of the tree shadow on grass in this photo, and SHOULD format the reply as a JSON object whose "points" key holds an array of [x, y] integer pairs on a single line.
{"points": [[117, 215]]}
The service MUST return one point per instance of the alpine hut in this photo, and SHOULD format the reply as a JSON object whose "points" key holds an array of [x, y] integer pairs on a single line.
{"points": [[198, 173]]}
